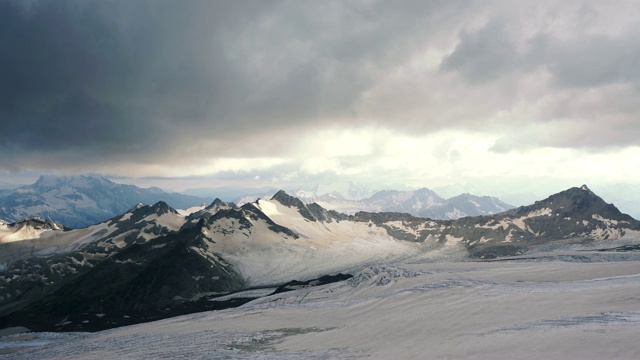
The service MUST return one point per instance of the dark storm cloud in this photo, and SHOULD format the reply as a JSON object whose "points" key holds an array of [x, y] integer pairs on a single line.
{"points": [[112, 78], [593, 80], [589, 60], [597, 61], [484, 55], [161, 83]]}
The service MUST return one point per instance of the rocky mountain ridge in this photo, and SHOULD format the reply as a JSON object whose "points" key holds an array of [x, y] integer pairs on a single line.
{"points": [[152, 262]]}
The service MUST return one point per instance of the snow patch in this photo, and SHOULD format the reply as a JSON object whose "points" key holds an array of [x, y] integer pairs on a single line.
{"points": [[269, 208], [126, 216], [191, 210]]}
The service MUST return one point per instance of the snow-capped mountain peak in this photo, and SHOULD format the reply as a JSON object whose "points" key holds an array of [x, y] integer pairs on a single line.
{"points": [[81, 201]]}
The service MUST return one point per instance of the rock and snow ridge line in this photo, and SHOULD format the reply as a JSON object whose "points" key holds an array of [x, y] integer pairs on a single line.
{"points": [[275, 241], [422, 203], [408, 227]]}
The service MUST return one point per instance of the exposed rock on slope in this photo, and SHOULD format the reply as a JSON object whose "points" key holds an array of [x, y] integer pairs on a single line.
{"points": [[152, 262]]}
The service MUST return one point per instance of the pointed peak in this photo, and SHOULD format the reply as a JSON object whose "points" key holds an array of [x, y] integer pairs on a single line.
{"points": [[579, 191], [136, 207], [216, 203], [159, 208], [280, 193], [49, 180], [283, 198], [290, 201], [577, 201], [424, 189], [162, 208]]}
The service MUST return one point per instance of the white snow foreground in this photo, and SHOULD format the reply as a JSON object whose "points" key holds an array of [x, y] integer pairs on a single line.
{"points": [[459, 310]]}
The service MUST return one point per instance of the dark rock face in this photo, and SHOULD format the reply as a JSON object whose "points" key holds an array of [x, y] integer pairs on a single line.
{"points": [[383, 219], [252, 212], [576, 210], [38, 224], [496, 250], [143, 281], [291, 201], [29, 277], [216, 206], [575, 213], [311, 212], [323, 280], [321, 214]]}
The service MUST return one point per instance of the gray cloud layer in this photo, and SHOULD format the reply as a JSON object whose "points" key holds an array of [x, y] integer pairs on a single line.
{"points": [[147, 82]]}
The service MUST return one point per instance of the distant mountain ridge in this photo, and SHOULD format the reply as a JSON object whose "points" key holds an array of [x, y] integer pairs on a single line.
{"points": [[152, 262], [80, 201], [422, 203]]}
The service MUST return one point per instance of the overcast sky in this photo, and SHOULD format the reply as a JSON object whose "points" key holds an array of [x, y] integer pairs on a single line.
{"points": [[494, 95]]}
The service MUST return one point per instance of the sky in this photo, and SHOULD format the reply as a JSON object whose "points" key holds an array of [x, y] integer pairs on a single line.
{"points": [[489, 97]]}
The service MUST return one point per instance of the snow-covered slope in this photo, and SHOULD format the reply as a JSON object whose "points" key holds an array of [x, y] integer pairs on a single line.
{"points": [[28, 229], [301, 247], [48, 256], [191, 210], [442, 310]]}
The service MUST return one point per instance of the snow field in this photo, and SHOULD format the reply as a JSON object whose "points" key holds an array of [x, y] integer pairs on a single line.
{"points": [[460, 310]]}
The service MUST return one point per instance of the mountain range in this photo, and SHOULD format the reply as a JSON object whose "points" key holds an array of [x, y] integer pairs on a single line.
{"points": [[152, 262], [80, 201], [422, 203]]}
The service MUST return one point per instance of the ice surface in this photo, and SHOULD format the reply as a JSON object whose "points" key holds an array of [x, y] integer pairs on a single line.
{"points": [[443, 309]]}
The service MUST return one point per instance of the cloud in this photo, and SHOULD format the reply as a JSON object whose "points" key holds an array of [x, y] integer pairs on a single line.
{"points": [[484, 55], [303, 91], [143, 77]]}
